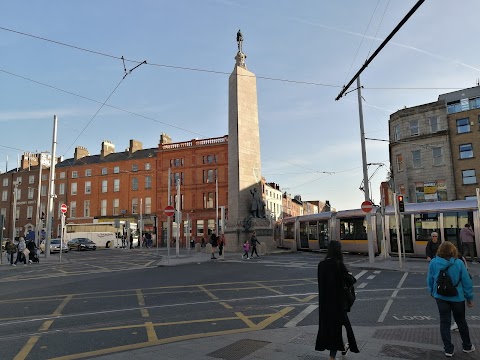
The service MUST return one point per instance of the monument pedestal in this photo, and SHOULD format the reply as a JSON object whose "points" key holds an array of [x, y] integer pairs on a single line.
{"points": [[237, 232]]}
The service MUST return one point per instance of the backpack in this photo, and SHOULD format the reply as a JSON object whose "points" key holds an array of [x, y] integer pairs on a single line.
{"points": [[445, 285]]}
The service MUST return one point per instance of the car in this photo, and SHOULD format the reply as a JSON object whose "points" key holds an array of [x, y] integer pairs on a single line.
{"points": [[81, 244], [54, 246]]}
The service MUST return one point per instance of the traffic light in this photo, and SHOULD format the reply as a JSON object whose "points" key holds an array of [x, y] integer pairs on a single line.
{"points": [[174, 213], [401, 205]]}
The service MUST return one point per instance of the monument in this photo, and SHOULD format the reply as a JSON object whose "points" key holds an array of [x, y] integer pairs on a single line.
{"points": [[245, 202]]}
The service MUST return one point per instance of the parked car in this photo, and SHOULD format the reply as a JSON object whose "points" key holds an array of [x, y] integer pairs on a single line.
{"points": [[81, 244], [54, 246]]}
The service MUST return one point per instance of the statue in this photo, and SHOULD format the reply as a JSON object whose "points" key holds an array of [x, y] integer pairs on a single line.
{"points": [[257, 204], [239, 40]]}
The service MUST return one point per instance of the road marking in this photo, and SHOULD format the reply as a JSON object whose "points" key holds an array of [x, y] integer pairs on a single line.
{"points": [[360, 274], [141, 302], [361, 286], [27, 348], [152, 335], [149, 263], [377, 272], [307, 311], [371, 277], [209, 293], [268, 288], [390, 301], [246, 320], [306, 299]]}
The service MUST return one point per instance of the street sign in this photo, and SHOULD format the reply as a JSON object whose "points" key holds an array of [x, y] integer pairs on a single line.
{"points": [[169, 210], [367, 206], [63, 208]]}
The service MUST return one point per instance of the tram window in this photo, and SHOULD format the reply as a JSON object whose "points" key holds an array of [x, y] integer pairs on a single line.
{"points": [[323, 232], [312, 231], [353, 229], [453, 222], [425, 224], [289, 231]]}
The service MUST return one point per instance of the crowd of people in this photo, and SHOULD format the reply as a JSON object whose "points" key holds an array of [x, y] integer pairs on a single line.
{"points": [[23, 252]]}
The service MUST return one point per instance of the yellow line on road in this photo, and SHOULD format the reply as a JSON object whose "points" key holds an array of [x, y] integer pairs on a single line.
{"points": [[141, 302], [269, 288], [225, 305], [207, 292], [152, 335], [263, 324], [306, 299], [246, 320], [27, 348], [149, 263]]}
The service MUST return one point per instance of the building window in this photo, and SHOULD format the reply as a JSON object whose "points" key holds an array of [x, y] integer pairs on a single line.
{"points": [[433, 120], [209, 176], [73, 189], [86, 208], [5, 182], [3, 211], [43, 190], [175, 177], [19, 180], [74, 174], [396, 133], [88, 172], [30, 193], [88, 187], [134, 206], [61, 189], [474, 103], [73, 209], [62, 175], [17, 214], [148, 182], [135, 168], [463, 126], [148, 166], [4, 195], [176, 162], [116, 169], [417, 159], [29, 212], [208, 200], [437, 154], [200, 228], [210, 159], [31, 179], [469, 177], [44, 177], [466, 151], [134, 183], [116, 185], [116, 206], [148, 205], [19, 194], [42, 210], [104, 186], [103, 207], [414, 128], [454, 107], [104, 171], [400, 162]]}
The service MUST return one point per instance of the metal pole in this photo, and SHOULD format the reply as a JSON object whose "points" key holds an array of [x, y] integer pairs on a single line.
{"points": [[141, 223], [187, 241], [397, 224], [169, 218], [51, 189], [216, 206], [2, 221], [37, 225], [14, 231], [61, 234], [177, 219], [368, 217]]}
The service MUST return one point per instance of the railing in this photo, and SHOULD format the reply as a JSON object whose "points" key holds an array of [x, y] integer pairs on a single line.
{"points": [[195, 142]]}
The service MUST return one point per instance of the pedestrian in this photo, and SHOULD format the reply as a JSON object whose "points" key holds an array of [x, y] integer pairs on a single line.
{"points": [[253, 244], [432, 246], [202, 244], [31, 248], [333, 276], [447, 256], [20, 253], [11, 250], [246, 247], [214, 242], [124, 242], [192, 242], [460, 257], [467, 237], [221, 244], [131, 241]]}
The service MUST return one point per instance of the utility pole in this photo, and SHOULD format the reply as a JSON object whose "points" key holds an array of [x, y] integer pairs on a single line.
{"points": [[14, 212], [2, 222], [169, 218], [51, 190], [178, 218], [140, 225], [216, 205], [39, 188]]}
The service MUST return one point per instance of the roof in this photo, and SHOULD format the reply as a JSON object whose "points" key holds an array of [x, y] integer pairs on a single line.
{"points": [[113, 157]]}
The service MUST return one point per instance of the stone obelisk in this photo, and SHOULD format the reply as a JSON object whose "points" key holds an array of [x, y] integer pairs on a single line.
{"points": [[244, 165]]}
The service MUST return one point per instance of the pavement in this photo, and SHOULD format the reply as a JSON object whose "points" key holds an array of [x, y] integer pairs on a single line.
{"points": [[374, 342]]}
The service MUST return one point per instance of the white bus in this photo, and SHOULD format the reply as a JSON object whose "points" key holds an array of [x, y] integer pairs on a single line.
{"points": [[103, 234]]}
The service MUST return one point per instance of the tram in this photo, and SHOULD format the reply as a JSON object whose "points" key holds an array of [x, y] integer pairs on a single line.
{"points": [[312, 232]]}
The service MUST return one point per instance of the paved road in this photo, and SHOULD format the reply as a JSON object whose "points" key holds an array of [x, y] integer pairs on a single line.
{"points": [[106, 302]]}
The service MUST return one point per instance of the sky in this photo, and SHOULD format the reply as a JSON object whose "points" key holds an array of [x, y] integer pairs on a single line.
{"points": [[302, 53]]}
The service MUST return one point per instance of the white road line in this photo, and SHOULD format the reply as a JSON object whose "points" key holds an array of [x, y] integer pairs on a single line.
{"points": [[307, 311], [377, 272], [390, 301], [360, 274], [371, 277], [361, 286]]}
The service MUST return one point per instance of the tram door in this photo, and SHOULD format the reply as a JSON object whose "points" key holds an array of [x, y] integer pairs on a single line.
{"points": [[323, 236], [406, 224], [453, 222], [304, 235]]}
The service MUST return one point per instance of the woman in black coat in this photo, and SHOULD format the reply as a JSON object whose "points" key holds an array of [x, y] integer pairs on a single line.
{"points": [[332, 276]]}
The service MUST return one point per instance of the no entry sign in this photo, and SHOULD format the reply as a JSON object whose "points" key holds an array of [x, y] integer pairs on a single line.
{"points": [[169, 210], [367, 206], [63, 208]]}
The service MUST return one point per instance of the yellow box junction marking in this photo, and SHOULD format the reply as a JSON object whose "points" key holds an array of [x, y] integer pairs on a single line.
{"points": [[141, 302]]}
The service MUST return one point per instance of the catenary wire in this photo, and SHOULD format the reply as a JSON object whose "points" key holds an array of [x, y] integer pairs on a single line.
{"points": [[378, 28]]}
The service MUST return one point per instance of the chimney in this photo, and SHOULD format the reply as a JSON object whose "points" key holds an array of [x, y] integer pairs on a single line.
{"points": [[80, 152], [29, 159], [165, 139], [107, 148], [134, 146]]}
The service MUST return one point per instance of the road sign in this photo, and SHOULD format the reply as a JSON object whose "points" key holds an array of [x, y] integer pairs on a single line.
{"points": [[367, 206], [169, 210], [63, 208]]}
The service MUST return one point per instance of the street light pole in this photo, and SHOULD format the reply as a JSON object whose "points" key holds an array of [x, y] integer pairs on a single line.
{"points": [[51, 190], [14, 231], [37, 220]]}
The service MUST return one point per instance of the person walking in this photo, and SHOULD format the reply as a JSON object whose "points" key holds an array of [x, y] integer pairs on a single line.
{"points": [[214, 243], [467, 237], [246, 247], [20, 255], [432, 246], [253, 244], [332, 313], [11, 250], [447, 258], [131, 241]]}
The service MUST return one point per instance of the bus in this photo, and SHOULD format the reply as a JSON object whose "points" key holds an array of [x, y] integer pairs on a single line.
{"points": [[103, 234]]}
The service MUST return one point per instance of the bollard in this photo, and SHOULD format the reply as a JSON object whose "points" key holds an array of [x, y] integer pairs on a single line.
{"points": [[262, 248], [198, 247], [208, 249]]}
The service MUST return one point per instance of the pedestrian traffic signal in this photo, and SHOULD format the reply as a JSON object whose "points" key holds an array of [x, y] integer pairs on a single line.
{"points": [[174, 216], [401, 205]]}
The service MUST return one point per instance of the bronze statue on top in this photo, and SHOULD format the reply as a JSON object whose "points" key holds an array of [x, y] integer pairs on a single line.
{"points": [[239, 40], [258, 206]]}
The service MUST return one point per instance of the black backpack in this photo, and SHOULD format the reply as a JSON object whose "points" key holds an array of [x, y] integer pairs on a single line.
{"points": [[445, 285]]}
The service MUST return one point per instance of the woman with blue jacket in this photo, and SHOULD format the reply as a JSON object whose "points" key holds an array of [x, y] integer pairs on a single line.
{"points": [[447, 254]]}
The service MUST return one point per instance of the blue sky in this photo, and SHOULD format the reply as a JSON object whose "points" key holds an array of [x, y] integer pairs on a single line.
{"points": [[310, 143]]}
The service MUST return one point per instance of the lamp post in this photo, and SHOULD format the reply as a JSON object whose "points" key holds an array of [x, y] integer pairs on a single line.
{"points": [[37, 218], [14, 212]]}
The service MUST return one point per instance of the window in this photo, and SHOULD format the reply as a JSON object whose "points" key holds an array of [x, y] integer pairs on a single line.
{"points": [[134, 167], [176, 162], [88, 187], [19, 194], [466, 151], [104, 171], [414, 127], [116, 169], [469, 177], [454, 107], [134, 205], [43, 190], [61, 190], [199, 227], [474, 103], [3, 211], [19, 180], [103, 207], [148, 166], [175, 177], [104, 186], [31, 179], [30, 193], [62, 175], [148, 182], [29, 212], [148, 205], [4, 195], [208, 200], [116, 206], [42, 210], [463, 126], [116, 185], [74, 174], [5, 182], [86, 208], [210, 159], [17, 214], [437, 154], [400, 162], [73, 189], [134, 183], [88, 172], [73, 209], [417, 159], [44, 177], [433, 120], [209, 176]]}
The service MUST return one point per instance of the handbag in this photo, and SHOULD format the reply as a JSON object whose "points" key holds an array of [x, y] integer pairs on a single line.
{"points": [[349, 291]]}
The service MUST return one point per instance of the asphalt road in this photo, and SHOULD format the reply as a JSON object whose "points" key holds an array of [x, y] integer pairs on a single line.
{"points": [[104, 302]]}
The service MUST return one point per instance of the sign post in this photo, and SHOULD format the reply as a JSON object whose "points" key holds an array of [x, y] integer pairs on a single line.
{"points": [[63, 209], [169, 211], [367, 206]]}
